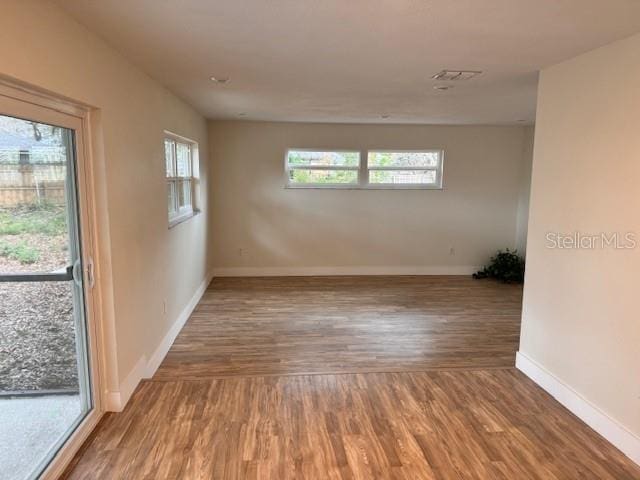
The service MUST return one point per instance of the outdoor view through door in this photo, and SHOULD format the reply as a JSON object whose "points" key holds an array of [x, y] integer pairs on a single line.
{"points": [[44, 373]]}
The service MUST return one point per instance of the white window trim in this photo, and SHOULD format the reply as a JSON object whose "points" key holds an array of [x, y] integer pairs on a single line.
{"points": [[184, 214], [288, 168], [408, 186], [363, 171]]}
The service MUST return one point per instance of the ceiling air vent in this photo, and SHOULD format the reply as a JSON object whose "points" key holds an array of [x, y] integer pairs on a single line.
{"points": [[450, 75]]}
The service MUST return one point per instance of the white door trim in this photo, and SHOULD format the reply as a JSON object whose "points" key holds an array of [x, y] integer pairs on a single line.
{"points": [[27, 102]]}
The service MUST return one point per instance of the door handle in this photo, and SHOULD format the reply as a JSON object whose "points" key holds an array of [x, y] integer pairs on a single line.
{"points": [[77, 272], [91, 277]]}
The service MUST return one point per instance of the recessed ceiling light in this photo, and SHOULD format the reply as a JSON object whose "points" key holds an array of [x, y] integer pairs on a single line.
{"points": [[242, 114], [520, 120], [220, 79], [385, 116], [442, 87]]}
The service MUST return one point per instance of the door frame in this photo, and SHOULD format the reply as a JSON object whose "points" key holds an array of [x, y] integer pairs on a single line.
{"points": [[42, 106]]}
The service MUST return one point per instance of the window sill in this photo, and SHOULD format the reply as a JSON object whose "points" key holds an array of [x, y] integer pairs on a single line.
{"points": [[365, 187], [182, 218]]}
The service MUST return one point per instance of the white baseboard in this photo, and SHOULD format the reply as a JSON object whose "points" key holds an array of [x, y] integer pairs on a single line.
{"points": [[342, 271], [161, 352], [117, 400], [146, 368], [627, 442], [113, 402]]}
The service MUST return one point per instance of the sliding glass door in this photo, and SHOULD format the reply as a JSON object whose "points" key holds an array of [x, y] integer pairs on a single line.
{"points": [[45, 374]]}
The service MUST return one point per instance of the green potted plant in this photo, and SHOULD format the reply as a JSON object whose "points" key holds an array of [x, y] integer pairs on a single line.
{"points": [[506, 266]]}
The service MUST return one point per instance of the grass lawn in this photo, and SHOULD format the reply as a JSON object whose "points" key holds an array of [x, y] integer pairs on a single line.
{"points": [[46, 220]]}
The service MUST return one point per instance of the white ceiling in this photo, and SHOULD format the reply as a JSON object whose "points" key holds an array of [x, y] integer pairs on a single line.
{"points": [[355, 60]]}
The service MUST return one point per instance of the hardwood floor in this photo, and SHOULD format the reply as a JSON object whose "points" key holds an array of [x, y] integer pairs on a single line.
{"points": [[494, 425], [277, 326], [232, 400]]}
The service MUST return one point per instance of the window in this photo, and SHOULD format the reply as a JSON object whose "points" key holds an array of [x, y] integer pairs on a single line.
{"points": [[316, 168], [405, 169], [181, 165], [383, 169]]}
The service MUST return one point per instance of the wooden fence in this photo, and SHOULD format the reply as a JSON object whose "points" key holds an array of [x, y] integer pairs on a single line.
{"points": [[22, 184]]}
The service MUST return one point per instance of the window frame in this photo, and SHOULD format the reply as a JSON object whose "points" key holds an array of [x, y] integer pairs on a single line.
{"points": [[181, 214], [357, 169], [363, 170], [407, 186]]}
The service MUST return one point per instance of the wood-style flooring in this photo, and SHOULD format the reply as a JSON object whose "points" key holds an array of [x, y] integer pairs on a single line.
{"points": [[232, 400], [281, 326]]}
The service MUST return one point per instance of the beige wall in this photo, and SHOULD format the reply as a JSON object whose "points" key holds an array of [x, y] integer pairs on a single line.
{"points": [[43, 46], [580, 316], [524, 193], [262, 228]]}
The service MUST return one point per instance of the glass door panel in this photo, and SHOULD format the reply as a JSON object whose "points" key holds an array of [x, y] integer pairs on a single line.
{"points": [[44, 373]]}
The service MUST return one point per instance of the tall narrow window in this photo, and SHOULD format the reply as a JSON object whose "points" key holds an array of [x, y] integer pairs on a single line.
{"points": [[181, 166], [316, 168], [405, 169]]}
